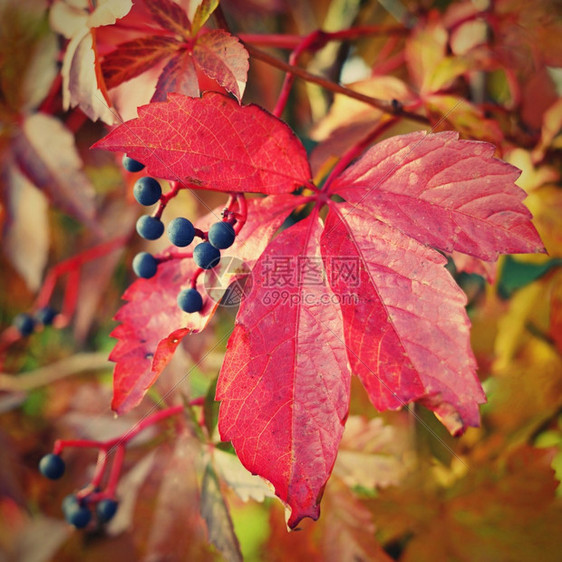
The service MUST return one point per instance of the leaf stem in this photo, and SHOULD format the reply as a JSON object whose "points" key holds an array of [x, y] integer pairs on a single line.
{"points": [[71, 266], [312, 42], [175, 188], [61, 444], [242, 215], [281, 41]]}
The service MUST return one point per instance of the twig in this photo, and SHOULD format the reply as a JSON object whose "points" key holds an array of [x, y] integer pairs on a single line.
{"points": [[73, 365], [383, 105]]}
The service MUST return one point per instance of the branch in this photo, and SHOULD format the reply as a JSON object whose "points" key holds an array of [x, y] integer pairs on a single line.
{"points": [[43, 376], [390, 107]]}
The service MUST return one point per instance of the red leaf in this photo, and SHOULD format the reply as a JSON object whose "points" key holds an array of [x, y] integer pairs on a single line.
{"points": [[134, 57], [148, 339], [179, 76], [284, 384], [405, 326], [222, 57], [450, 194], [213, 143], [170, 16]]}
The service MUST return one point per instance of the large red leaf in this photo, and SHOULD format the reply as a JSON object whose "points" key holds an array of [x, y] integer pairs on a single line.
{"points": [[213, 143], [151, 323], [451, 194], [405, 326], [284, 384]]}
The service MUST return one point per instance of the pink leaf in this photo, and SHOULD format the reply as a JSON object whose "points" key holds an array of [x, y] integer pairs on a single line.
{"points": [[152, 324], [46, 153], [450, 194], [26, 232], [222, 57], [284, 384], [405, 326], [179, 75], [213, 143]]}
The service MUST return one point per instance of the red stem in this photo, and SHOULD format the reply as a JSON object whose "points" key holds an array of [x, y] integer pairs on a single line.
{"points": [[49, 104], [100, 469], [195, 276], [144, 423], [73, 263], [175, 187], [70, 295], [168, 256], [273, 40], [312, 42], [115, 470], [75, 120], [61, 444], [293, 41], [242, 215]]}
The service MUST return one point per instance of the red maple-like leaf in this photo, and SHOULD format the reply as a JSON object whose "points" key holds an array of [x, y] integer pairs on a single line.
{"points": [[151, 323], [187, 49], [403, 325], [367, 293], [222, 57], [213, 143]]}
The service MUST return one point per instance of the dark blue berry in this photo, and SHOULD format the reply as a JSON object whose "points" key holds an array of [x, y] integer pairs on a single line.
{"points": [[77, 515], [147, 191], [149, 227], [190, 300], [145, 265], [51, 466], [24, 323], [206, 256], [222, 235], [46, 315], [181, 232], [106, 509], [131, 165]]}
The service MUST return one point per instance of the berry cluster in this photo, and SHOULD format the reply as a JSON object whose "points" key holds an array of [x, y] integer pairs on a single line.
{"points": [[26, 323], [77, 508], [181, 233]]}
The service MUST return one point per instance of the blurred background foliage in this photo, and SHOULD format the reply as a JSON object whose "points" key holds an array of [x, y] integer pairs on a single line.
{"points": [[402, 488]]}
